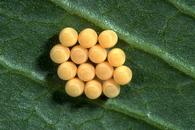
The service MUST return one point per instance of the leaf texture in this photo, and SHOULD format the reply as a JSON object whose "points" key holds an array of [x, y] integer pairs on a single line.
{"points": [[158, 39]]}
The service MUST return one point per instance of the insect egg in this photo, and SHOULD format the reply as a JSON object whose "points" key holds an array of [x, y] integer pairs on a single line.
{"points": [[86, 72], [67, 70], [104, 71], [59, 54], [74, 87], [68, 37], [87, 38], [97, 54], [93, 89], [110, 88], [79, 54], [107, 39], [116, 57], [122, 75]]}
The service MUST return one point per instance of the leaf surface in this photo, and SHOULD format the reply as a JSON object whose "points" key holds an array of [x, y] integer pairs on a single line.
{"points": [[158, 39]]}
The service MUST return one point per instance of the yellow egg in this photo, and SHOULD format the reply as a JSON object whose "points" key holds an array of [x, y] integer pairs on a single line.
{"points": [[68, 37], [74, 87], [104, 71], [67, 70], [87, 38], [79, 54], [122, 75], [111, 89], [86, 72], [116, 57], [59, 54], [93, 89], [107, 39], [97, 54]]}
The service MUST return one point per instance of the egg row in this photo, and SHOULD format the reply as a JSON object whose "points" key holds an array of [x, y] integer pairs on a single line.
{"points": [[86, 72], [59, 54], [92, 89], [87, 38]]}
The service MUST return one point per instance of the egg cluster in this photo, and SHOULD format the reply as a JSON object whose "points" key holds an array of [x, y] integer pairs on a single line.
{"points": [[91, 66]]}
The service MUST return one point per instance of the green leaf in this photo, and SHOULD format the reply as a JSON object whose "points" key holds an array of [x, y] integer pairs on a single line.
{"points": [[158, 39]]}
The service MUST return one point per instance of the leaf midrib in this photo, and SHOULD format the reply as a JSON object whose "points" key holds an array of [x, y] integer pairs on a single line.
{"points": [[129, 38], [185, 9]]}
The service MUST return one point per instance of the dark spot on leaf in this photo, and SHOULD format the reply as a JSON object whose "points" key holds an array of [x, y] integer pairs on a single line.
{"points": [[60, 97], [103, 98], [44, 62]]}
